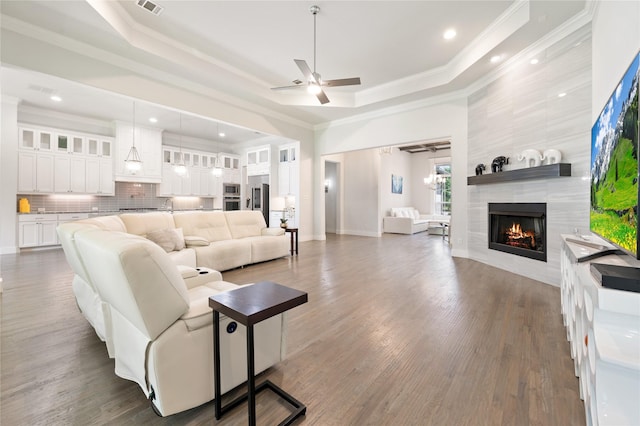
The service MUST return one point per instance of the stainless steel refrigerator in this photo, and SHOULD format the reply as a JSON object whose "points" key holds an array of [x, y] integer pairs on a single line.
{"points": [[258, 190]]}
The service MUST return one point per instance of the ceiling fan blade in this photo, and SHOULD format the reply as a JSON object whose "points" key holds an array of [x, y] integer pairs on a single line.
{"points": [[342, 82], [306, 71], [322, 97], [297, 86]]}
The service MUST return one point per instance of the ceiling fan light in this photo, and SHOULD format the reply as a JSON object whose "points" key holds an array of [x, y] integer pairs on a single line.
{"points": [[313, 89]]}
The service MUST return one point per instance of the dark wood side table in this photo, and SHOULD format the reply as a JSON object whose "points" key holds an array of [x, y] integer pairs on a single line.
{"points": [[294, 236], [249, 305]]}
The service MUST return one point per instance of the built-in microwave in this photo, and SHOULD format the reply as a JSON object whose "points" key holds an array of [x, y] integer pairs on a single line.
{"points": [[231, 189]]}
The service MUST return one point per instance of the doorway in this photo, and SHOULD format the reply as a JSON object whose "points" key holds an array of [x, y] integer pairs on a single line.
{"points": [[330, 197]]}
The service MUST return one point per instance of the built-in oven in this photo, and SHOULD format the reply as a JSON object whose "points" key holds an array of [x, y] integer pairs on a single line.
{"points": [[230, 203], [231, 189]]}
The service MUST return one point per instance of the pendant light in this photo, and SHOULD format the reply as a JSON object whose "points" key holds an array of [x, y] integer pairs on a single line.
{"points": [[217, 169], [433, 179], [133, 162], [180, 168]]}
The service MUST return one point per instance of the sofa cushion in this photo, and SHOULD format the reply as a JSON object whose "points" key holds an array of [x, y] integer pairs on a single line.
{"points": [[246, 223], [224, 255], [142, 224], [106, 223], [170, 239], [268, 247], [209, 225], [192, 241]]}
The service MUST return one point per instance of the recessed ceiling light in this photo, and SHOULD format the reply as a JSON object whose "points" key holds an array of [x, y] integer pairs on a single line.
{"points": [[562, 95], [153, 120], [56, 98], [222, 134], [449, 34], [496, 58], [534, 61]]}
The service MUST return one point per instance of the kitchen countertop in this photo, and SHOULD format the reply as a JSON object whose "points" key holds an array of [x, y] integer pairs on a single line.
{"points": [[108, 212]]}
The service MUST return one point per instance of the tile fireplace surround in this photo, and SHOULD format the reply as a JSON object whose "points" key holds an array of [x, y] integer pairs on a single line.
{"points": [[522, 110]]}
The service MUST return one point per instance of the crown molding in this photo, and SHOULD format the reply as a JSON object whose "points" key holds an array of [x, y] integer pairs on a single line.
{"points": [[511, 20], [576, 23], [143, 71]]}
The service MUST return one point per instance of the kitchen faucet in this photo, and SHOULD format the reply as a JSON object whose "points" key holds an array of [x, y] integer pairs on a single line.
{"points": [[167, 202]]}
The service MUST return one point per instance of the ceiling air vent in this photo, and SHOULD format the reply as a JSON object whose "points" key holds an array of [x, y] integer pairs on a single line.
{"points": [[150, 6]]}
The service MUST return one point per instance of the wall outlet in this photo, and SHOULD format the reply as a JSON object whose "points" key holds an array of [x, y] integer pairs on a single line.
{"points": [[41, 210], [94, 209]]}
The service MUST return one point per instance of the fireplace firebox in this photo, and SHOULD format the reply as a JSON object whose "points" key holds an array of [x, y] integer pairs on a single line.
{"points": [[519, 228]]}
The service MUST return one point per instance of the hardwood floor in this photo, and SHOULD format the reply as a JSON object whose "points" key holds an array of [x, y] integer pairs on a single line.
{"points": [[396, 332]]}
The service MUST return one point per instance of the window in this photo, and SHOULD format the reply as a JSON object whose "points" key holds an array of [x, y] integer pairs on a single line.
{"points": [[442, 193]]}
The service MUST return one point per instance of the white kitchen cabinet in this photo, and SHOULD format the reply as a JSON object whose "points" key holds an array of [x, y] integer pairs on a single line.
{"points": [[171, 184], [198, 182], [99, 146], [288, 170], [230, 168], [37, 230], [35, 172], [194, 181], [35, 139], [54, 161], [69, 174], [148, 143], [99, 176], [259, 161], [287, 153]]}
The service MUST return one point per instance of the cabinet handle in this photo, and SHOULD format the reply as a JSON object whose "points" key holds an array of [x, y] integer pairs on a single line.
{"points": [[586, 340]]}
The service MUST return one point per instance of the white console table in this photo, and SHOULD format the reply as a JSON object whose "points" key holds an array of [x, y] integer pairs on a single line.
{"points": [[603, 328]]}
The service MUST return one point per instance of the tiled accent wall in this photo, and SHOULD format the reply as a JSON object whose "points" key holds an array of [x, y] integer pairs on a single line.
{"points": [[128, 196], [522, 110]]}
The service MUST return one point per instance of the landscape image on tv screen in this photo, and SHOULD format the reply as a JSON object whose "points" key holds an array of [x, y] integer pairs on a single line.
{"points": [[614, 165]]}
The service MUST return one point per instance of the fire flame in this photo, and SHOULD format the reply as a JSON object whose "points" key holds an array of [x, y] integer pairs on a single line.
{"points": [[516, 233]]}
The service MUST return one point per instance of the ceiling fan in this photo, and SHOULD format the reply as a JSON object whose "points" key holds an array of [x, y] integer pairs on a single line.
{"points": [[314, 83]]}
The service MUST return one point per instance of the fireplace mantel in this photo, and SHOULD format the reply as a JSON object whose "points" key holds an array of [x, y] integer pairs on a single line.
{"points": [[540, 172]]}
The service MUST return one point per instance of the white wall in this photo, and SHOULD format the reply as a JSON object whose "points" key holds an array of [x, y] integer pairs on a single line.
{"points": [[616, 39], [8, 175], [361, 201], [399, 164], [443, 119]]}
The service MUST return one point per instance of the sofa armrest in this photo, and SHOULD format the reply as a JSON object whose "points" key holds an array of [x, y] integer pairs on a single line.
{"points": [[272, 231], [202, 276], [187, 271], [398, 225]]}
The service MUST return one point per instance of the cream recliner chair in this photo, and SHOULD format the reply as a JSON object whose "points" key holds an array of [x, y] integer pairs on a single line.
{"points": [[160, 330]]}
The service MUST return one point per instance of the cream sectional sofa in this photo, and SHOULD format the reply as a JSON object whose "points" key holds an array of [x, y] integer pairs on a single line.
{"points": [[408, 220], [150, 305], [214, 239]]}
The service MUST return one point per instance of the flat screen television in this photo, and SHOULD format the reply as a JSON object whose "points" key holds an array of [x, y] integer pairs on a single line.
{"points": [[614, 165]]}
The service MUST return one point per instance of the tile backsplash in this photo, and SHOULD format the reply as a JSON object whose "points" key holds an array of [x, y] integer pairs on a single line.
{"points": [[127, 196]]}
